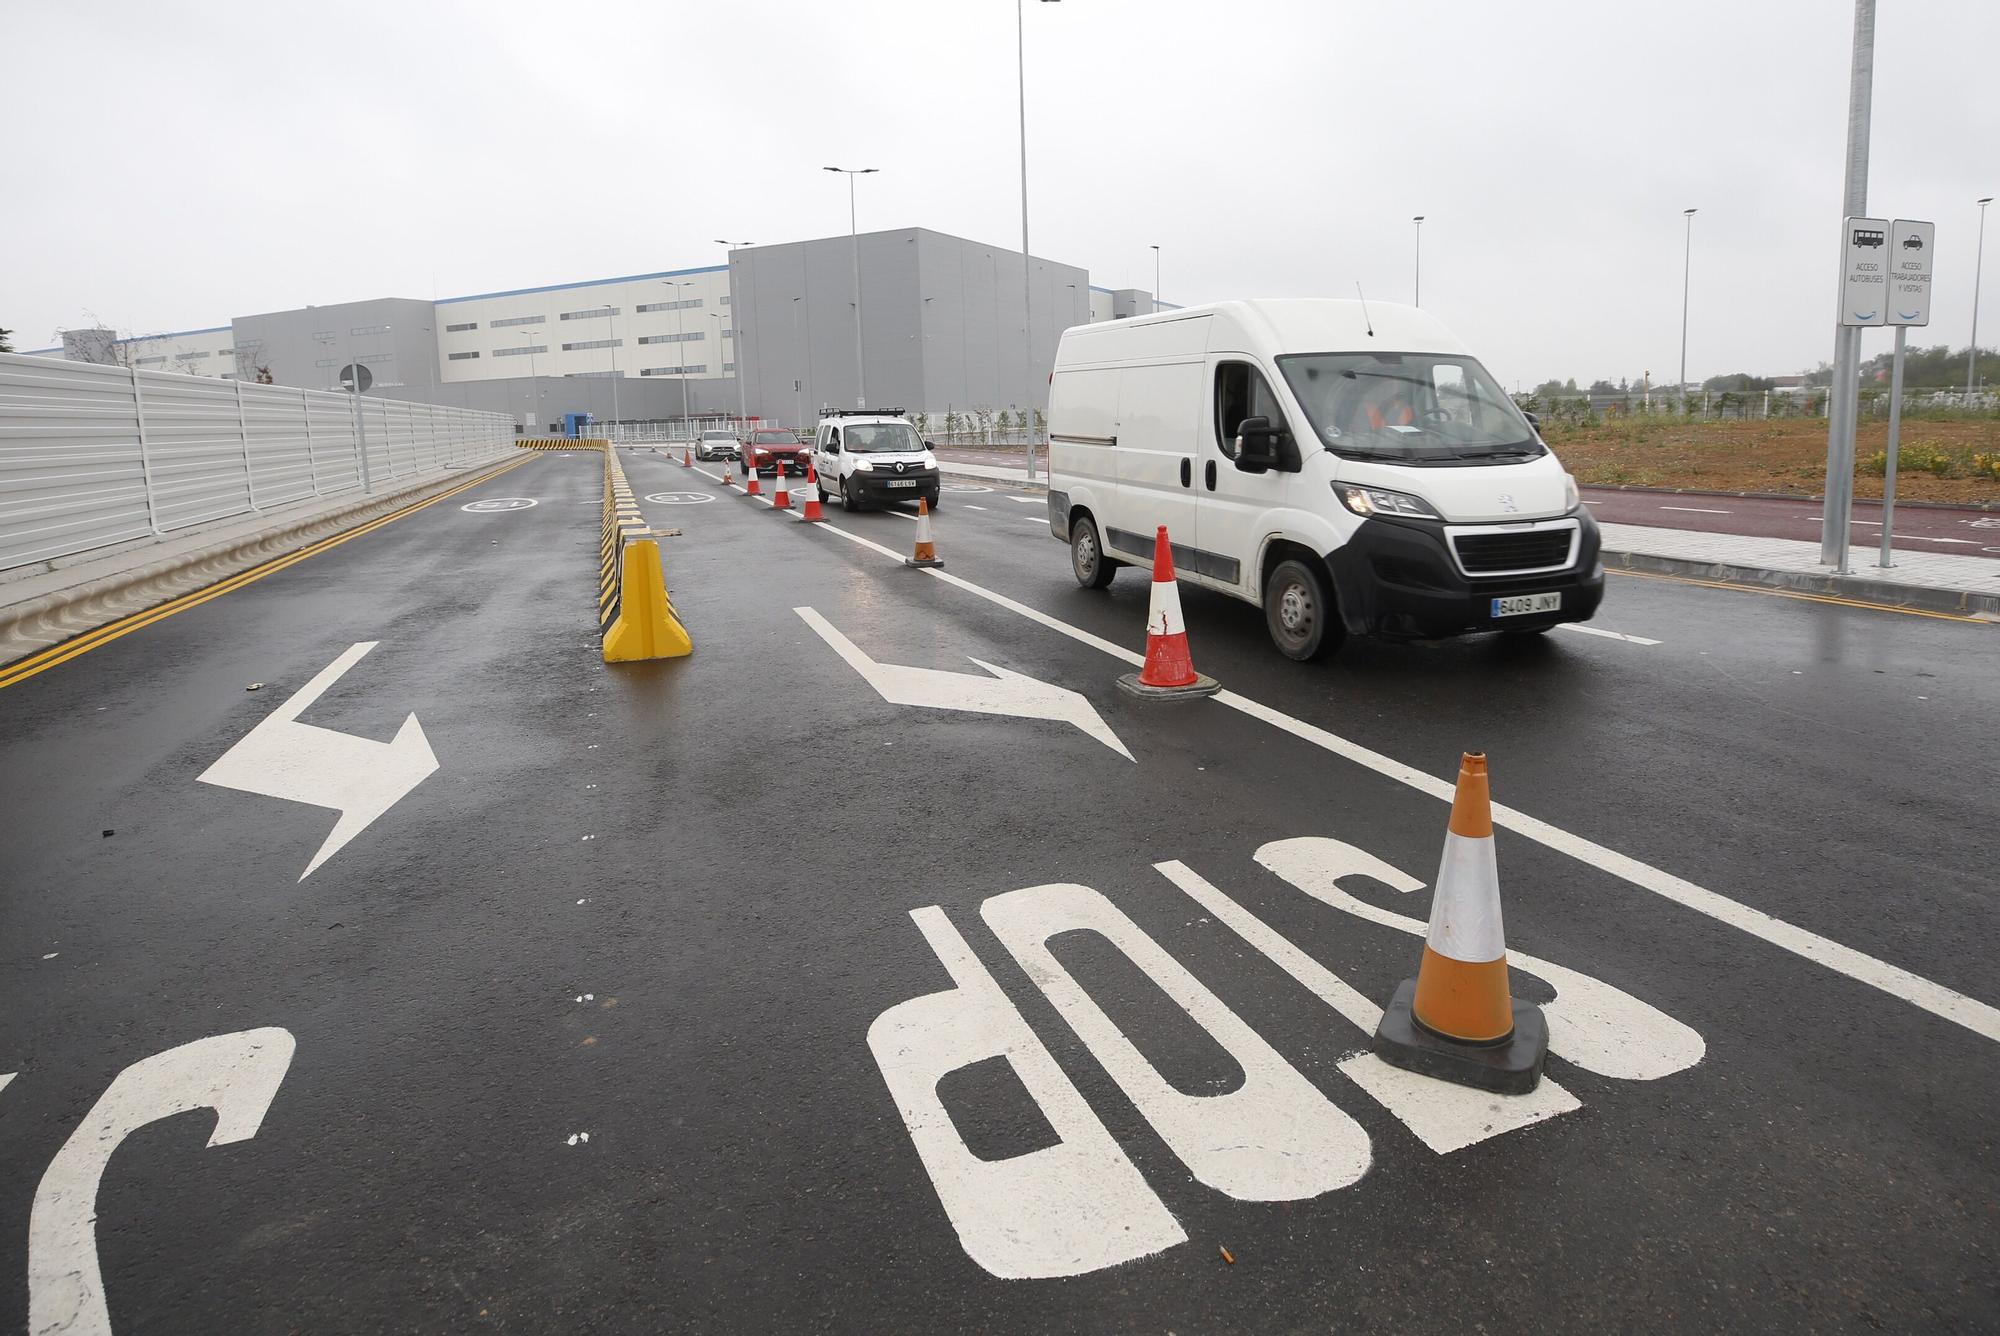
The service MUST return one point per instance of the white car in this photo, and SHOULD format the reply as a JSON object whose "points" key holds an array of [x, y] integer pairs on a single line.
{"points": [[873, 457], [718, 444], [1345, 467]]}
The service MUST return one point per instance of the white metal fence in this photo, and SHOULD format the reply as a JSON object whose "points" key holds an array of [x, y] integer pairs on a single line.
{"points": [[93, 455]]}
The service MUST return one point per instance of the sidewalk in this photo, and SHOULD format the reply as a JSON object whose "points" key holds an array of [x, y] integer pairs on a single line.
{"points": [[1926, 581]]}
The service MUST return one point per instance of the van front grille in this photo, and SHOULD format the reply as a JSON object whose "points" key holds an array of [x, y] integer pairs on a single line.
{"points": [[1536, 549]]}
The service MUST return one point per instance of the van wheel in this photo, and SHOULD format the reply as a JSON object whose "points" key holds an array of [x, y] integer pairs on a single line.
{"points": [[849, 502], [1087, 561], [1299, 612]]}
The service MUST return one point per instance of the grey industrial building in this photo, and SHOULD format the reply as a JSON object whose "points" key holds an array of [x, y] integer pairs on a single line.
{"points": [[771, 334]]}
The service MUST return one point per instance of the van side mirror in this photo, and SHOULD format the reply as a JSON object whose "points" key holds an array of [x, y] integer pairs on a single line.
{"points": [[1534, 419], [833, 447], [1257, 444], [930, 445]]}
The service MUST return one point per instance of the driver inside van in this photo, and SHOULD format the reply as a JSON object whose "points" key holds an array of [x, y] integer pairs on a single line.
{"points": [[1389, 406]]}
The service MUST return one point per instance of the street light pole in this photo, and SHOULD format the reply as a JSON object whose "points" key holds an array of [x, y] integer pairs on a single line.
{"points": [[1837, 505], [736, 325], [1156, 277], [854, 244], [1687, 264], [1418, 300], [805, 385], [680, 343], [1978, 267], [611, 320], [1027, 275]]}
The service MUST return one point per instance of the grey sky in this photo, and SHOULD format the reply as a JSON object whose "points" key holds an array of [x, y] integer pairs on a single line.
{"points": [[171, 166]]}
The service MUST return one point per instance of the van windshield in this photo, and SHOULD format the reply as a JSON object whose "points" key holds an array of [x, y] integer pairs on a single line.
{"points": [[1415, 407], [880, 437]]}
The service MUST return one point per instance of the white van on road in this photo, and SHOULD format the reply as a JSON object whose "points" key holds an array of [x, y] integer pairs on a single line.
{"points": [[1346, 468]]}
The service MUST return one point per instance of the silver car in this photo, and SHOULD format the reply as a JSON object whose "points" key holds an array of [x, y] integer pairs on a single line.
{"points": [[719, 444]]}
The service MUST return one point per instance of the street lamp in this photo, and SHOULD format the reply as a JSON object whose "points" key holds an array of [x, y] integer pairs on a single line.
{"points": [[1027, 282], [1972, 353], [1156, 278], [1418, 300], [680, 342], [611, 322], [1687, 263], [736, 323], [805, 386], [854, 242]]}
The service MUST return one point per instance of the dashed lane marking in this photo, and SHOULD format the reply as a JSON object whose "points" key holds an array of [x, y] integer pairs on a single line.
{"points": [[1581, 629], [1696, 510]]}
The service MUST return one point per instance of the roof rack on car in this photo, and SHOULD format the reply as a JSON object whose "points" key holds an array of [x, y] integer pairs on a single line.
{"points": [[860, 412]]}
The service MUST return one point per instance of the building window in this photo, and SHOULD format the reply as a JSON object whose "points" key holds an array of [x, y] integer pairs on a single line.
{"points": [[226, 352], [460, 329], [593, 375], [370, 329], [190, 357], [373, 359], [327, 361], [463, 357], [695, 370], [588, 344], [229, 375], [147, 361], [597, 313], [516, 320], [692, 304], [728, 333], [725, 300], [729, 366], [323, 335], [517, 352], [691, 336]]}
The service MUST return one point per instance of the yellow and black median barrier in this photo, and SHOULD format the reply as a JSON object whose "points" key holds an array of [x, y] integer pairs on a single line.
{"points": [[635, 617], [561, 443]]}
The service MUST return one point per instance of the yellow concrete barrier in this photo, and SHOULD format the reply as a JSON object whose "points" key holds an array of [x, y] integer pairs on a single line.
{"points": [[635, 615], [561, 443]]}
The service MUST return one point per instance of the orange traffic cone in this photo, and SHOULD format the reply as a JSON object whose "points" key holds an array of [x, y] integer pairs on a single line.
{"points": [[812, 512], [1455, 1020], [1169, 669], [780, 498], [926, 551], [727, 480], [687, 457], [751, 487]]}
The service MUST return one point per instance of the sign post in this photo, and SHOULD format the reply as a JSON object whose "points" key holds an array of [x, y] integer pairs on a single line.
{"points": [[1907, 301], [1864, 247]]}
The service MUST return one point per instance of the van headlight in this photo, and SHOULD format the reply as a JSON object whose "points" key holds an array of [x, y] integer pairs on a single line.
{"points": [[864, 466], [1571, 497], [1382, 501]]}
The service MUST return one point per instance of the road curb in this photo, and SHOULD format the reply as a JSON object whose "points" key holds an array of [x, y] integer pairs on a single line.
{"points": [[47, 620], [1858, 588]]}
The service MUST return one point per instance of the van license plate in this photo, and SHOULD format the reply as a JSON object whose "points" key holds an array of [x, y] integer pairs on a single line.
{"points": [[1526, 603], [902, 482]]}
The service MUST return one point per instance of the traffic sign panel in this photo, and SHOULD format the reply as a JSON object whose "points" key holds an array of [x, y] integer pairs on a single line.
{"points": [[1864, 267], [1911, 245]]}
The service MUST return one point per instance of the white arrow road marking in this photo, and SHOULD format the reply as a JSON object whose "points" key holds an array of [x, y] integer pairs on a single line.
{"points": [[1006, 692], [237, 1075], [358, 777]]}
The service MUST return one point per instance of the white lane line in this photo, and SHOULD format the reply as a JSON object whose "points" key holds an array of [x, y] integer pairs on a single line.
{"points": [[1029, 500], [973, 507], [1593, 503], [1956, 1007], [1920, 538], [1583, 630], [1696, 510]]}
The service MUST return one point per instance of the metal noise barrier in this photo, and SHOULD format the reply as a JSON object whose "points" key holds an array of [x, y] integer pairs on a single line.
{"points": [[561, 443], [635, 618]]}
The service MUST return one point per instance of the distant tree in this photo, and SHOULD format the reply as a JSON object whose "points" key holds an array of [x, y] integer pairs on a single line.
{"points": [[1553, 389], [1605, 387], [6, 341], [1738, 381], [264, 376]]}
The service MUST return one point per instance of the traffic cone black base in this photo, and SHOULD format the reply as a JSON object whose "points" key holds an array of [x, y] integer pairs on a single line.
{"points": [[1203, 685], [1509, 1066], [932, 561]]}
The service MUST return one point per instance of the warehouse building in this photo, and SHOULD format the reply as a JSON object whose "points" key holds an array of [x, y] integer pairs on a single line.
{"points": [[770, 334]]}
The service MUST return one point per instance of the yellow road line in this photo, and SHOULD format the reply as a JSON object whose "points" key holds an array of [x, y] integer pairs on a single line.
{"points": [[110, 631], [1800, 594]]}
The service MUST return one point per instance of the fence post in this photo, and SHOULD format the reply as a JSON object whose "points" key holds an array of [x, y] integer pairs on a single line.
{"points": [[243, 434], [312, 465], [361, 442], [145, 451]]}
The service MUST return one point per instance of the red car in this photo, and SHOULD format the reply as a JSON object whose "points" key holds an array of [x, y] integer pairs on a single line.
{"points": [[767, 447]]}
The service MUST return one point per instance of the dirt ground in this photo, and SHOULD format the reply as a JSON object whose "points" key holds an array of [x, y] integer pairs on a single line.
{"points": [[1785, 455]]}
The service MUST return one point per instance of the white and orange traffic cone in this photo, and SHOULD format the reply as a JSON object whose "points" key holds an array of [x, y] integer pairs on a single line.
{"points": [[780, 498], [1456, 1020], [1169, 669], [926, 551], [812, 513], [687, 457], [751, 487], [727, 479]]}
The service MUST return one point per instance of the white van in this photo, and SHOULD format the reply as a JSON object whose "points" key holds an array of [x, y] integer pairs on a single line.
{"points": [[873, 457], [1347, 469]]}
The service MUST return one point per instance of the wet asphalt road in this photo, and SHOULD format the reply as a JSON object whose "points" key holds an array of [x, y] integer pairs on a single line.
{"points": [[663, 904]]}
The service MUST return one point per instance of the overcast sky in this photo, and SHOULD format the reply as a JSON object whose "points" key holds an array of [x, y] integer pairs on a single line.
{"points": [[170, 166]]}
